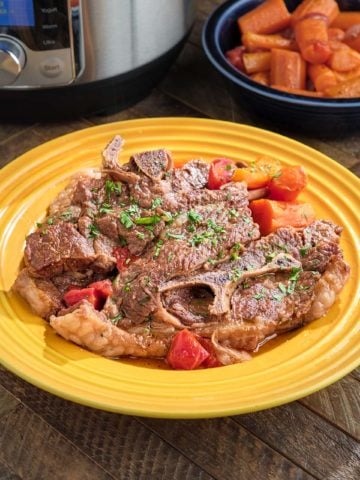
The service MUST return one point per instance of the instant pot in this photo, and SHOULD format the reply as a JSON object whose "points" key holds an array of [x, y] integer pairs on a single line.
{"points": [[68, 57]]}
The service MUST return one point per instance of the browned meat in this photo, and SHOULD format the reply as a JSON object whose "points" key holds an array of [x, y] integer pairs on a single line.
{"points": [[196, 261], [57, 248], [42, 295]]}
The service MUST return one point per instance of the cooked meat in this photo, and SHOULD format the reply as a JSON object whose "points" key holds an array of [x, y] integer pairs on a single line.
{"points": [[57, 248], [91, 329], [179, 256], [42, 295]]}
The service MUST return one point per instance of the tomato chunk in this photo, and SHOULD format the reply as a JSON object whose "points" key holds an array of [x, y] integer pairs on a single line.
{"points": [[76, 295], [221, 172], [288, 184], [212, 360], [185, 352], [236, 57], [123, 257], [103, 288]]}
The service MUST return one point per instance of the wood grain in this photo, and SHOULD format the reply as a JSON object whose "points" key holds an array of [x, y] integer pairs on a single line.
{"points": [[35, 451], [339, 404], [356, 373], [120, 444], [226, 450], [307, 440], [7, 474], [7, 401]]}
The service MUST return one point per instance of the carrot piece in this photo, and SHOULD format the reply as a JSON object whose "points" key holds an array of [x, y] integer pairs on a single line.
{"points": [[336, 34], [254, 41], [288, 183], [348, 89], [345, 20], [272, 214], [308, 8], [322, 77], [261, 77], [287, 69], [345, 76], [259, 172], [269, 17], [252, 178], [257, 62], [311, 34], [352, 37], [343, 58], [298, 91]]}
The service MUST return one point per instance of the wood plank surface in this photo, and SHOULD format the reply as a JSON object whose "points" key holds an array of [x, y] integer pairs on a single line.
{"points": [[120, 444], [339, 404], [307, 440]]}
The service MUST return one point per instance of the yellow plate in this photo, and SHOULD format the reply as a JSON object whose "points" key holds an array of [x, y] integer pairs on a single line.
{"points": [[295, 365]]}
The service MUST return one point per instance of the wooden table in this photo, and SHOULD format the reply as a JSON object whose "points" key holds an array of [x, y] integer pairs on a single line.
{"points": [[45, 437]]}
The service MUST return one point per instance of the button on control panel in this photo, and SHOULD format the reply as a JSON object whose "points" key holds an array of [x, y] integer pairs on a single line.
{"points": [[45, 37]]}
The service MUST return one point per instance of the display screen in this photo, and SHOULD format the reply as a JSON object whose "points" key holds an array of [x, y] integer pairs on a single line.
{"points": [[17, 13]]}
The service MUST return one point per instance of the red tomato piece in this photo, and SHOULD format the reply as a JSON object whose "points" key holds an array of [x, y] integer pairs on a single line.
{"points": [[288, 184], [123, 257], [221, 172], [76, 295], [185, 352], [212, 360], [103, 288]]}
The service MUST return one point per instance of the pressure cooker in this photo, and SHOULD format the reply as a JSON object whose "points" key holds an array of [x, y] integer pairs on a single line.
{"points": [[62, 58]]}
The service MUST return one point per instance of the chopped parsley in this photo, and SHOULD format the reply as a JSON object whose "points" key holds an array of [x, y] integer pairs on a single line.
{"points": [[127, 287], [112, 187], [140, 235], [122, 241], [295, 273], [156, 203], [94, 231], [258, 296], [282, 288], [105, 208], [233, 213], [177, 236], [50, 221], [216, 228], [39, 225], [133, 209], [117, 318], [66, 215], [236, 273], [270, 257], [194, 217], [246, 219], [158, 246], [125, 220], [303, 250], [191, 228], [153, 220]]}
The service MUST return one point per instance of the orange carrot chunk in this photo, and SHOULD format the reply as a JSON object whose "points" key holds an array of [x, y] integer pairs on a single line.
{"points": [[348, 89], [343, 58], [336, 34], [287, 69], [345, 76], [269, 17], [255, 41], [272, 214], [352, 37], [235, 57], [322, 77], [311, 34], [345, 20], [261, 77], [257, 62], [307, 8]]}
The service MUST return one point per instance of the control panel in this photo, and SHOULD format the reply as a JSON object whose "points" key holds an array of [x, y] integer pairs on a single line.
{"points": [[37, 43]]}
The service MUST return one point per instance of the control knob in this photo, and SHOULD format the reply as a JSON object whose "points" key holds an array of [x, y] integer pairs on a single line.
{"points": [[12, 60]]}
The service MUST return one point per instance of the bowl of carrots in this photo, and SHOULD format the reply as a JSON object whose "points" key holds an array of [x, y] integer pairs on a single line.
{"points": [[292, 63]]}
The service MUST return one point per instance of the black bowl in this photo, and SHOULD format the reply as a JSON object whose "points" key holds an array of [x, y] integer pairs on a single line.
{"points": [[316, 116]]}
